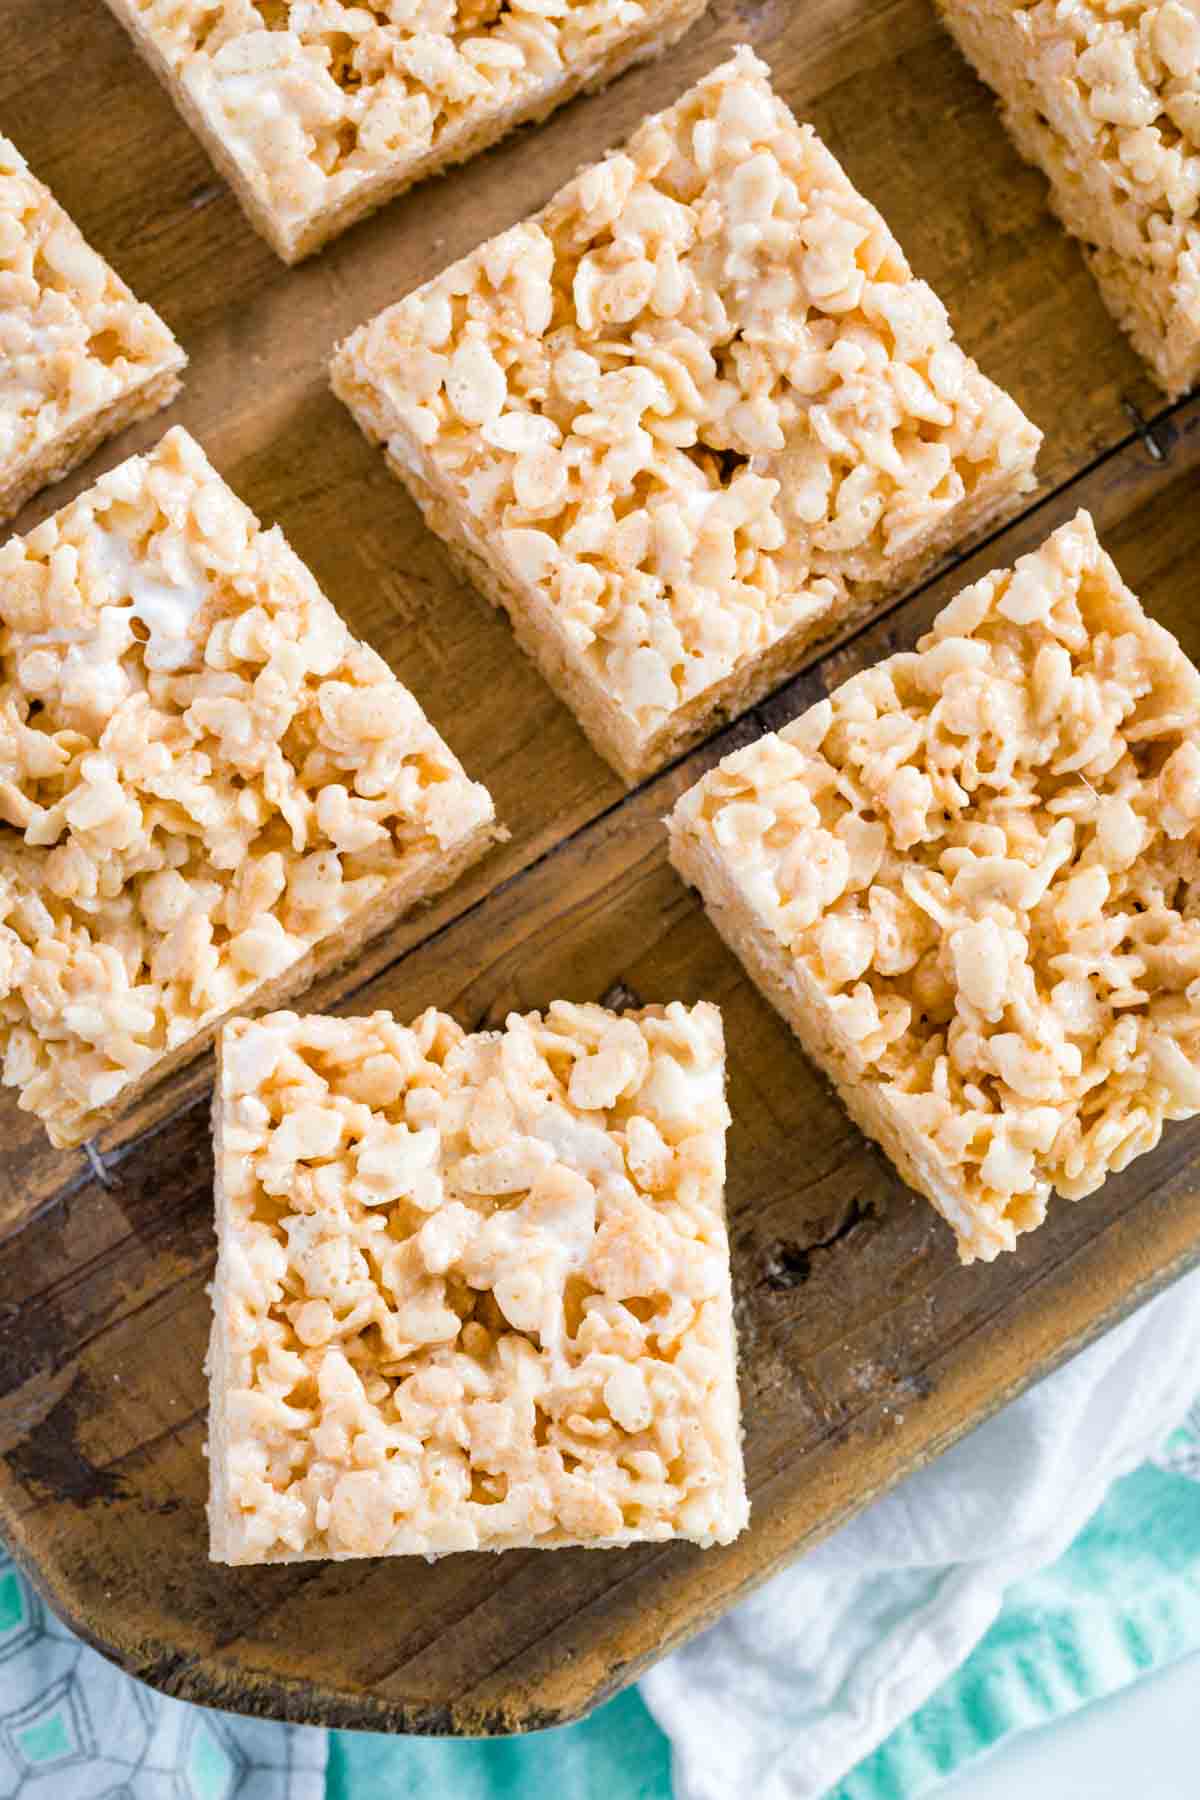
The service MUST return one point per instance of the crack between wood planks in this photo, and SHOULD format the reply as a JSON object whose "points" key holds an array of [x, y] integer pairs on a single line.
{"points": [[1157, 449], [1157, 431], [99, 1167], [1158, 437], [755, 713]]}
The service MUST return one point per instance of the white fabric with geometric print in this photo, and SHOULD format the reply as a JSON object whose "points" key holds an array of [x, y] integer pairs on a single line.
{"points": [[74, 1727]]}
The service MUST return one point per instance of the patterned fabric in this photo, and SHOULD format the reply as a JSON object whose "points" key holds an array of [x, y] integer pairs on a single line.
{"points": [[73, 1727]]}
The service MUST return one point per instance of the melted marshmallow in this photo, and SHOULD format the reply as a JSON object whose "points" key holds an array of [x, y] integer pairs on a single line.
{"points": [[166, 599], [696, 503]]}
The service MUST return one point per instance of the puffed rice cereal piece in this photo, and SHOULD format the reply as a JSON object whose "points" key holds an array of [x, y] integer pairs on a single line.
{"points": [[472, 1292], [80, 357], [970, 881], [319, 111], [691, 417], [1104, 97], [210, 792]]}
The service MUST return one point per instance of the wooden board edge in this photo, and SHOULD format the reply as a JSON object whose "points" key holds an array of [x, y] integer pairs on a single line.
{"points": [[205, 1682]]}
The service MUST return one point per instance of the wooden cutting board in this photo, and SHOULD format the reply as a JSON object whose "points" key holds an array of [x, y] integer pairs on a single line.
{"points": [[866, 1349]]}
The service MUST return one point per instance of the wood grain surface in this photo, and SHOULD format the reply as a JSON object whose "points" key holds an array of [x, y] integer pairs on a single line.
{"points": [[866, 1349]]}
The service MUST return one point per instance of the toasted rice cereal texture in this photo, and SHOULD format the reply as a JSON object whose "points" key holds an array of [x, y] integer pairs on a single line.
{"points": [[472, 1292], [1104, 96], [692, 416], [80, 358], [971, 881], [209, 790], [318, 112]]}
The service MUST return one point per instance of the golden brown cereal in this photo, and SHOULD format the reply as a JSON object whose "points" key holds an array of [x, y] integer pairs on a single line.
{"points": [[80, 358], [209, 791], [970, 880], [318, 111], [1104, 96], [472, 1291], [694, 415]]}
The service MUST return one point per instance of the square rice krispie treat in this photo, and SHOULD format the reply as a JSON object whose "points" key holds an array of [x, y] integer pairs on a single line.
{"points": [[1104, 97], [209, 791], [970, 881], [691, 417], [317, 111], [472, 1292], [80, 358]]}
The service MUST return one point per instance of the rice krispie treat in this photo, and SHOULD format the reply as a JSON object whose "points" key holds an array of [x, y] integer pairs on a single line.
{"points": [[80, 358], [472, 1292], [1104, 97], [691, 417], [318, 111], [209, 791], [970, 881]]}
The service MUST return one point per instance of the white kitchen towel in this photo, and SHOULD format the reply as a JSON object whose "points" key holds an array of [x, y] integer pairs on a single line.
{"points": [[806, 1677]]}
